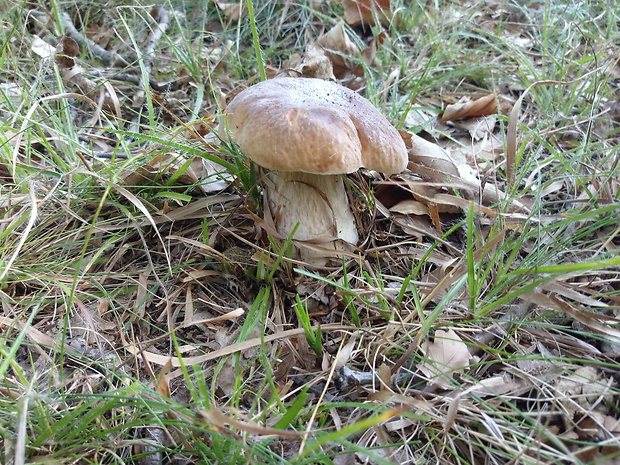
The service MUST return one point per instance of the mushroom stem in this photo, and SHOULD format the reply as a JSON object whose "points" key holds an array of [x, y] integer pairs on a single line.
{"points": [[318, 203]]}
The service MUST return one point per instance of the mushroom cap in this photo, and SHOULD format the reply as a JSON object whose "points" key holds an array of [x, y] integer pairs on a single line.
{"points": [[313, 126]]}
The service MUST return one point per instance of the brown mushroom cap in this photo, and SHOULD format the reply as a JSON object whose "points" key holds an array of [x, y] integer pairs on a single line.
{"points": [[313, 126]]}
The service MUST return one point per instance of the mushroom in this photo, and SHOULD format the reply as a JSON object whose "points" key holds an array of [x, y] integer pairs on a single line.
{"points": [[309, 132]]}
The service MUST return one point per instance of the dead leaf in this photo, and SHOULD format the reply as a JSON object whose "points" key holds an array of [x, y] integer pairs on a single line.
{"points": [[66, 50], [432, 162], [162, 387], [161, 168], [369, 54], [446, 354], [365, 12], [479, 127], [315, 63], [231, 10], [416, 226], [580, 388], [108, 99], [88, 322], [436, 196], [344, 355], [41, 48], [36, 336], [468, 108], [100, 35], [227, 377], [496, 386], [410, 207], [429, 154], [385, 375], [451, 414], [612, 424], [338, 48]]}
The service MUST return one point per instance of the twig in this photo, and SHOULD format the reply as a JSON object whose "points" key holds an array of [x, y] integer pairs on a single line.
{"points": [[107, 57], [347, 379], [163, 20], [131, 78], [162, 17]]}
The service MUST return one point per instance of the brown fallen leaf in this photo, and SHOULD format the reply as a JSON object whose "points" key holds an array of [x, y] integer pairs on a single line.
{"points": [[232, 10], [345, 56], [410, 207], [162, 385], [314, 63], [364, 12], [429, 154], [431, 162], [66, 50], [338, 48], [482, 106], [445, 355], [369, 54], [429, 195]]}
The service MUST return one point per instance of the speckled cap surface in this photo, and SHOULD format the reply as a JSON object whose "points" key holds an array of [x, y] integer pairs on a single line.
{"points": [[313, 126]]}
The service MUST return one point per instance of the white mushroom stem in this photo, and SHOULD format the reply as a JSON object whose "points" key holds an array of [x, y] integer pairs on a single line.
{"points": [[318, 203]]}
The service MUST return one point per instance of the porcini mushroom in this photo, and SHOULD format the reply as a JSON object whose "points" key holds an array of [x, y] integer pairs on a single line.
{"points": [[309, 132]]}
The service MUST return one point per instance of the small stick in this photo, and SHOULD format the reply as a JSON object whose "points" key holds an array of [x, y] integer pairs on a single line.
{"points": [[107, 57], [162, 19]]}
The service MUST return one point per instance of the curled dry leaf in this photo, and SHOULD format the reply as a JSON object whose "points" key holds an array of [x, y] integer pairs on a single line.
{"points": [[33, 334], [314, 63], [369, 54], [232, 10], [162, 383], [432, 195], [482, 106], [418, 226], [357, 12], [429, 154], [433, 163], [445, 355], [344, 355], [338, 48], [41, 48], [66, 51], [595, 321], [410, 207], [345, 55]]}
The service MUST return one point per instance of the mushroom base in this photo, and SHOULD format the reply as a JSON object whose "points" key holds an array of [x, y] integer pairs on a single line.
{"points": [[319, 204]]}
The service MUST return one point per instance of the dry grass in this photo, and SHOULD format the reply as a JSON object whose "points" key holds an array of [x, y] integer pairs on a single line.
{"points": [[149, 316]]}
